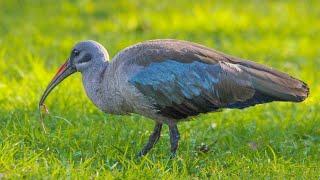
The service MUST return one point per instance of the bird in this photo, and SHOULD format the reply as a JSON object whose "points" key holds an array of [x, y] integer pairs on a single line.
{"points": [[171, 81]]}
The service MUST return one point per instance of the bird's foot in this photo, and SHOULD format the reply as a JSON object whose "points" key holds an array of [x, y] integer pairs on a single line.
{"points": [[172, 155], [153, 139]]}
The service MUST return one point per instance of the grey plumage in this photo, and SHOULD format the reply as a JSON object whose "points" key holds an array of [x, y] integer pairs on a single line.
{"points": [[171, 80]]}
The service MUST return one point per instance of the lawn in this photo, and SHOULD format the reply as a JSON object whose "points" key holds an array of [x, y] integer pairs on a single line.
{"points": [[276, 140]]}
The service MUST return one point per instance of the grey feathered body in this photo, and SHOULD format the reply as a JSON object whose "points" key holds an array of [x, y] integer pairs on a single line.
{"points": [[136, 81]]}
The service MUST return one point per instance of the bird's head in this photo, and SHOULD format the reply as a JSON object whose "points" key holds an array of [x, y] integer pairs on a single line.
{"points": [[85, 56]]}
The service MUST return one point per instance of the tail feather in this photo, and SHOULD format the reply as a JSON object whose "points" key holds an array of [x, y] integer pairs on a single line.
{"points": [[273, 83], [278, 85]]}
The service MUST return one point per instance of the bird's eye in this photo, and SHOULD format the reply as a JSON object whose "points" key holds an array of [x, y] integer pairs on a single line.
{"points": [[76, 52]]}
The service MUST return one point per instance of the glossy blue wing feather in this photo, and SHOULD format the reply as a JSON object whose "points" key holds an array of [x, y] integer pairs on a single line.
{"points": [[179, 80], [184, 89]]}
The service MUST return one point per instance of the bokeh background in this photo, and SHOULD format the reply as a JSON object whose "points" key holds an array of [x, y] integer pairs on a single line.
{"points": [[272, 140]]}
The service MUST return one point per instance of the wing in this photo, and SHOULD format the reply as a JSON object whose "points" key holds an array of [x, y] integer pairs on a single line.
{"points": [[186, 78], [186, 89]]}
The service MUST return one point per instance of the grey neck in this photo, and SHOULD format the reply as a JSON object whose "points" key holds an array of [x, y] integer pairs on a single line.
{"points": [[94, 73], [92, 79]]}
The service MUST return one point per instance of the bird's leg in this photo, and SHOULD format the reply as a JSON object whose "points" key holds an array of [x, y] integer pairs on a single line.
{"points": [[153, 139], [174, 139]]}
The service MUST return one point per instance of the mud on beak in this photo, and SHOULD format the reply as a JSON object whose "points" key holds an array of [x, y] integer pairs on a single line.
{"points": [[65, 71]]}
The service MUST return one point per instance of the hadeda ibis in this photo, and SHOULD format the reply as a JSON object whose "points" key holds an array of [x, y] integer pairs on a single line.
{"points": [[172, 80]]}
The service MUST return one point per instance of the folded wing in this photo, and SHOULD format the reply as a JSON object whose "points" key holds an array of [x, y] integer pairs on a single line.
{"points": [[185, 79]]}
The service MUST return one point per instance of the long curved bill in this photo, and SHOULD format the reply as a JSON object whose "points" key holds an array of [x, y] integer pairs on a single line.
{"points": [[65, 71]]}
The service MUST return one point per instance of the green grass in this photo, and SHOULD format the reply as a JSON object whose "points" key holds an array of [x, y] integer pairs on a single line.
{"points": [[277, 140]]}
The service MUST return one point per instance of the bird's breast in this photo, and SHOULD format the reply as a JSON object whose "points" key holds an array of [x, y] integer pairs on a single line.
{"points": [[102, 88]]}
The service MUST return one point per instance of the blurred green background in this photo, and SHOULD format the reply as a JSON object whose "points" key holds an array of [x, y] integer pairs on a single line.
{"points": [[273, 140]]}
